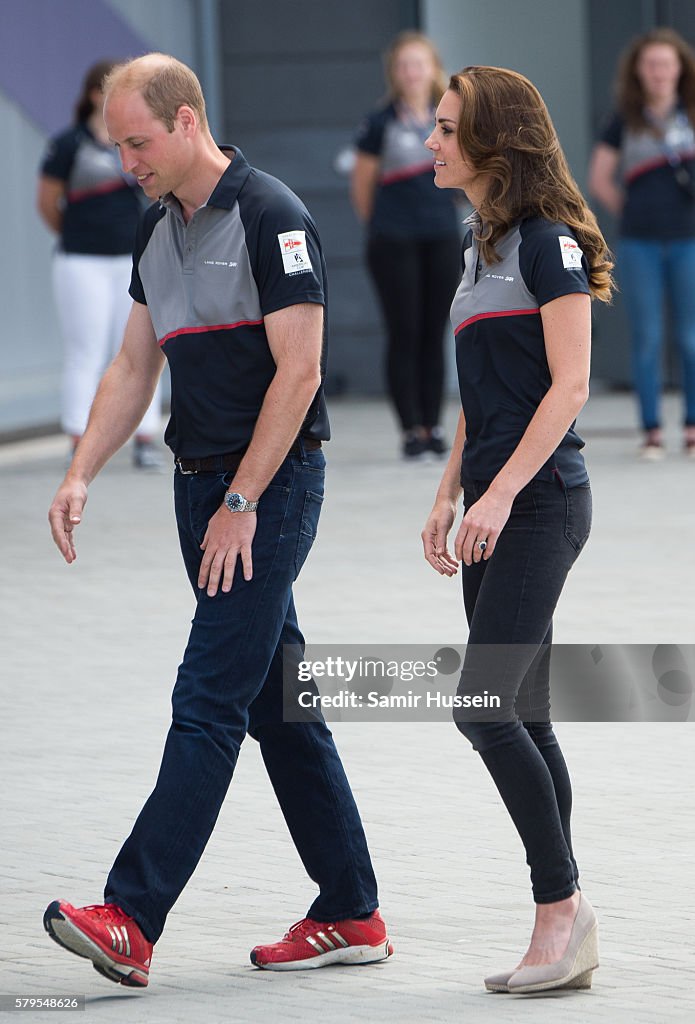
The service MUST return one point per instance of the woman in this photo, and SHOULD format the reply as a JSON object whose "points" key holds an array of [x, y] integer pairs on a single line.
{"points": [[642, 171], [413, 240], [521, 315], [94, 209]]}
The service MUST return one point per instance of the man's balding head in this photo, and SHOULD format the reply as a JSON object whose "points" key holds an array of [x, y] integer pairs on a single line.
{"points": [[165, 84]]}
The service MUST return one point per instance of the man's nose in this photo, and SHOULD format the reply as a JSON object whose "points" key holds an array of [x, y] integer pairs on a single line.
{"points": [[128, 159]]}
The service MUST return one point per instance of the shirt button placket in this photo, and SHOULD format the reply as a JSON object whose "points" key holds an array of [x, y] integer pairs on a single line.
{"points": [[190, 246]]}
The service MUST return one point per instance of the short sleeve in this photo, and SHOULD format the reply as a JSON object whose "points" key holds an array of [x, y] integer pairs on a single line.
{"points": [[144, 231], [59, 156], [286, 258], [370, 134], [552, 263], [611, 133]]}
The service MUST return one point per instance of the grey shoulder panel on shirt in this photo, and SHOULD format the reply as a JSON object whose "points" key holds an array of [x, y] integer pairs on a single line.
{"points": [[500, 288], [198, 275]]}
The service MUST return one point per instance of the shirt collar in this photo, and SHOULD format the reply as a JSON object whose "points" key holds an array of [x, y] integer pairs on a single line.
{"points": [[232, 181], [225, 193]]}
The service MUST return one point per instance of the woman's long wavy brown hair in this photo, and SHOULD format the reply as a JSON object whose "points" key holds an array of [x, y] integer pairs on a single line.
{"points": [[505, 132], [629, 92]]}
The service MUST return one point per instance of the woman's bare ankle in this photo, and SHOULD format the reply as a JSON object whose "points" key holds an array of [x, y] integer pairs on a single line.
{"points": [[551, 931]]}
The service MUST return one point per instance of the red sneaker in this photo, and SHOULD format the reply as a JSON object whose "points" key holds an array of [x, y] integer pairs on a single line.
{"points": [[314, 944], [106, 936]]}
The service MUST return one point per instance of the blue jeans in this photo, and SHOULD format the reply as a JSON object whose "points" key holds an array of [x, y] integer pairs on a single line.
{"points": [[510, 600], [650, 271], [229, 683]]}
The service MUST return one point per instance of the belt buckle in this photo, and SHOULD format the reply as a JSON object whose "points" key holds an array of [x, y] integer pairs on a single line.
{"points": [[186, 472]]}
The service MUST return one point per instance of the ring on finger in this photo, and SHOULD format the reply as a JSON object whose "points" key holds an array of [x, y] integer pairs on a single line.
{"points": [[482, 544]]}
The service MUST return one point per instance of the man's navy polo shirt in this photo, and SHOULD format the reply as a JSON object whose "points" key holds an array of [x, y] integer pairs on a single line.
{"points": [[251, 250], [500, 348]]}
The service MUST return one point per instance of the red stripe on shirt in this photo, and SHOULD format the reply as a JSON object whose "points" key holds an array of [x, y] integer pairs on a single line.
{"points": [[407, 172], [99, 190], [212, 327], [490, 316], [651, 165]]}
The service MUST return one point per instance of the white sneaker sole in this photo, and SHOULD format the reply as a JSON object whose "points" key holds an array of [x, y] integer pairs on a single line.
{"points": [[70, 937], [348, 955]]}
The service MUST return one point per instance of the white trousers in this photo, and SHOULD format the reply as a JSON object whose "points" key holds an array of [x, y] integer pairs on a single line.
{"points": [[91, 294]]}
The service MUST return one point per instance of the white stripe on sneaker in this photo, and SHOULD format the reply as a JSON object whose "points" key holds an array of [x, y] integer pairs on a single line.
{"points": [[336, 935], [115, 938], [351, 955], [324, 938]]}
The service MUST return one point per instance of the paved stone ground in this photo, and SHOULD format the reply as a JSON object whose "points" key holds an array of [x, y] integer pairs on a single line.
{"points": [[89, 653]]}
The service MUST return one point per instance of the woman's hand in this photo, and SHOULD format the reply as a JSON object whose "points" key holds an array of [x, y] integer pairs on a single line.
{"points": [[483, 521], [434, 536]]}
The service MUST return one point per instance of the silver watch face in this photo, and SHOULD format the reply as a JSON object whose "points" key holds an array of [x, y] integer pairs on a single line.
{"points": [[235, 502]]}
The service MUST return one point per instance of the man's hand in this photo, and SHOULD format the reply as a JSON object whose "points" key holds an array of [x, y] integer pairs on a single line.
{"points": [[229, 534], [65, 514]]}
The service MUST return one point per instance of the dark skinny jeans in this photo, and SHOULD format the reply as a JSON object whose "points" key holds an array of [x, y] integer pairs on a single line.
{"points": [[509, 601]]}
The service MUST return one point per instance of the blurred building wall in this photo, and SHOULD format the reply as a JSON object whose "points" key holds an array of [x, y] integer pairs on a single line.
{"points": [[297, 78]]}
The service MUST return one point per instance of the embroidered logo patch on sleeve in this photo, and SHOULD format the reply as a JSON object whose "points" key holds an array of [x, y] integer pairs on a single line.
{"points": [[295, 255], [571, 253]]}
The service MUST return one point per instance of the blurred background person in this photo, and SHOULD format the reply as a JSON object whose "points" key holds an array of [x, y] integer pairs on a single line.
{"points": [[642, 170], [94, 209], [413, 239]]}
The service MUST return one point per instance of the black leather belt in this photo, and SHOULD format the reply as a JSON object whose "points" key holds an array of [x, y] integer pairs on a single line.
{"points": [[229, 462]]}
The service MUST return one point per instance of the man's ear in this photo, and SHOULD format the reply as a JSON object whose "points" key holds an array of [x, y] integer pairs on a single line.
{"points": [[186, 117]]}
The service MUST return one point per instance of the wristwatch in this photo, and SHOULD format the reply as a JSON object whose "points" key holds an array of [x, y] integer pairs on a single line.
{"points": [[238, 503]]}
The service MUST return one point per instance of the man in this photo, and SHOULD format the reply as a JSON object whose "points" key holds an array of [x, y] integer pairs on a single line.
{"points": [[229, 285]]}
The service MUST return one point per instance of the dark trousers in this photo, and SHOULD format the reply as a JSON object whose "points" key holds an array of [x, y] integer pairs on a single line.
{"points": [[509, 601], [415, 280], [230, 683]]}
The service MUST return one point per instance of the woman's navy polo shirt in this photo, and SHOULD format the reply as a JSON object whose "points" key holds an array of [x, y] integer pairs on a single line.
{"points": [[656, 206], [407, 203], [502, 365], [102, 205]]}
